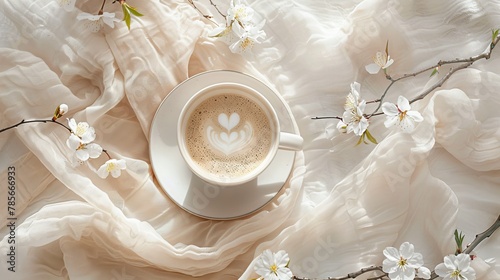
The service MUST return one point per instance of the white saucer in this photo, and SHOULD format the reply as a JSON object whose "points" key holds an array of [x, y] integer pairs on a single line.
{"points": [[187, 190]]}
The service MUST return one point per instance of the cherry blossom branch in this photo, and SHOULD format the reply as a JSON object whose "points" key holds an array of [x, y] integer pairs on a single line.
{"points": [[350, 275], [481, 236], [466, 63], [34, 121], [81, 142]]}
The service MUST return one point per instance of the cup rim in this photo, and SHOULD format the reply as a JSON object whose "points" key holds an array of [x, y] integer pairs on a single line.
{"points": [[195, 100]]}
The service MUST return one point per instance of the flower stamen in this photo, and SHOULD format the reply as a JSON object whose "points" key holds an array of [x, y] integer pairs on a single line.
{"points": [[402, 262]]}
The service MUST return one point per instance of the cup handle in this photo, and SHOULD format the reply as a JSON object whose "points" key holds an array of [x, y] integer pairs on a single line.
{"points": [[290, 141]]}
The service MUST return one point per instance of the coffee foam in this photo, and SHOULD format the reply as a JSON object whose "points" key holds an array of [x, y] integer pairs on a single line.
{"points": [[216, 116]]}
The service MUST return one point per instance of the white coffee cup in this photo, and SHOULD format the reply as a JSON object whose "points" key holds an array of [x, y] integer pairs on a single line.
{"points": [[229, 133]]}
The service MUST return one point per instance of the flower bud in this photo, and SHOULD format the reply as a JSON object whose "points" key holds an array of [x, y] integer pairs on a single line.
{"points": [[60, 111]]}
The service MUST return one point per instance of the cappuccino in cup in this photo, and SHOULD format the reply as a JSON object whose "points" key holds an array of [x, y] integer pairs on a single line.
{"points": [[228, 135]]}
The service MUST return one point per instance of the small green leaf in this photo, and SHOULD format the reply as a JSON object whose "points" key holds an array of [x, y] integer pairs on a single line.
{"points": [[494, 34], [370, 137], [126, 15], [434, 72], [134, 11], [459, 240], [288, 263], [387, 47], [361, 139]]}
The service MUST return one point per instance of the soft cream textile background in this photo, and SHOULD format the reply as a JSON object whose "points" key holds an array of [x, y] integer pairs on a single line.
{"points": [[344, 203]]}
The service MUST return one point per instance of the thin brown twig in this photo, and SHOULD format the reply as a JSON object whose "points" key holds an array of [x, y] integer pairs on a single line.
{"points": [[217, 9], [208, 17], [352, 275], [34, 121], [441, 82], [466, 63], [327, 117], [481, 236]]}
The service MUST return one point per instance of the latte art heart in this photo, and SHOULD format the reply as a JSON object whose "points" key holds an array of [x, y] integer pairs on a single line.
{"points": [[229, 141], [228, 135], [229, 122]]}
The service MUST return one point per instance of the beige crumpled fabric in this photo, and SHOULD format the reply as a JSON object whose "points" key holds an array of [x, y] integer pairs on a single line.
{"points": [[343, 204]]}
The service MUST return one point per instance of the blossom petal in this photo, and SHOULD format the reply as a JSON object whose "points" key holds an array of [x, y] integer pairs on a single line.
{"points": [[416, 116], [403, 104], [87, 16], [361, 127], [102, 171], [94, 150], [389, 62], [389, 266], [109, 19], [390, 121], [416, 260], [72, 124], [406, 250], [356, 89], [73, 142], [407, 124], [441, 270], [408, 273], [424, 272], [469, 273], [89, 135], [372, 68], [284, 273], [82, 154], [398, 274], [449, 262], [390, 109], [391, 254], [463, 261], [281, 258], [116, 173]]}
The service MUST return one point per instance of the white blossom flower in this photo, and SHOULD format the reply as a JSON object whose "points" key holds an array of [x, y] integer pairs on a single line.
{"points": [[402, 264], [456, 268], [68, 5], [353, 117], [381, 61], [96, 22], [240, 12], [400, 114], [83, 130], [112, 166], [83, 150], [247, 36], [273, 266]]}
